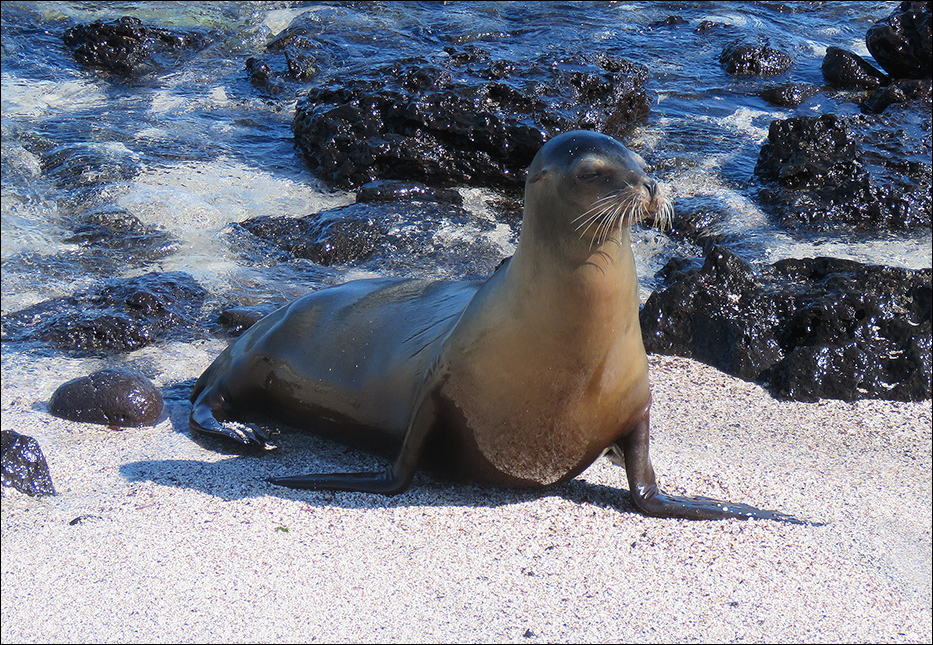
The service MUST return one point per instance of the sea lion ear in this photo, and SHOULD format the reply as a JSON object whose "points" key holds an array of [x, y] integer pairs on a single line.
{"points": [[538, 176]]}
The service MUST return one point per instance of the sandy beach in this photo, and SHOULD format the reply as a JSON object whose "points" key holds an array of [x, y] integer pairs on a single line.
{"points": [[154, 537]]}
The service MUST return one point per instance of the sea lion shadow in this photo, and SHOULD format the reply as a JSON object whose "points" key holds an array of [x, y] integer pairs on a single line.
{"points": [[242, 475], [242, 471]]}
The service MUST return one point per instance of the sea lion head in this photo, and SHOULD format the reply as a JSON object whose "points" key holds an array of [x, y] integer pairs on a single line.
{"points": [[587, 185]]}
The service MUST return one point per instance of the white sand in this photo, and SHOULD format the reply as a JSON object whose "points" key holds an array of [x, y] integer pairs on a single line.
{"points": [[182, 543]]}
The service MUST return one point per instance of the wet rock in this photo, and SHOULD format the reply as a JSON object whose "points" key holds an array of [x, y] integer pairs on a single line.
{"points": [[23, 466], [122, 315], [709, 25], [462, 119], [830, 170], [741, 58], [326, 241], [126, 47], [88, 164], [399, 235], [384, 191], [844, 70], [115, 230], [670, 21], [811, 328], [902, 43], [113, 397], [699, 220], [901, 91], [236, 320], [789, 94], [292, 53]]}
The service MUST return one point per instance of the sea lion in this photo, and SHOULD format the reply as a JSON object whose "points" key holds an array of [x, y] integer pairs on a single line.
{"points": [[521, 380]]}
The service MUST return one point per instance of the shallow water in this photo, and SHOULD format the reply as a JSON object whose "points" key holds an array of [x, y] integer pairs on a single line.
{"points": [[193, 149]]}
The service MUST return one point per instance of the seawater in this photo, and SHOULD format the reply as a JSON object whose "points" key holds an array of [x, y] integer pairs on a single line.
{"points": [[206, 149]]}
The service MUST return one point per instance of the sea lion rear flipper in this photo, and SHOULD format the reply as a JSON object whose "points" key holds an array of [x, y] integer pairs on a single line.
{"points": [[632, 452], [203, 418], [394, 479]]}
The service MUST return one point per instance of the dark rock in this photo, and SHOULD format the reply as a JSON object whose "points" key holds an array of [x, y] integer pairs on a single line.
{"points": [[113, 397], [811, 328], [292, 53], [901, 91], [236, 320], [789, 94], [844, 70], [699, 220], [385, 191], [670, 21], [262, 76], [709, 25], [325, 241], [126, 47], [115, 230], [121, 316], [23, 465], [741, 58], [87, 165], [462, 119], [829, 170], [902, 43], [398, 235]]}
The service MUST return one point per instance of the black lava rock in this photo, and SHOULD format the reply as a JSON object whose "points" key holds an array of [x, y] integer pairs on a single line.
{"points": [[126, 47], [901, 91], [236, 320], [740, 58], [811, 328], [902, 43], [113, 397], [823, 171], [23, 466], [844, 70], [121, 316], [387, 191], [391, 235], [463, 119], [113, 230], [789, 94], [299, 66]]}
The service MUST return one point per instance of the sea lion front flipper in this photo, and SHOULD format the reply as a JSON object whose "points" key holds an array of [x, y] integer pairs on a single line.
{"points": [[208, 406], [394, 479], [632, 452]]}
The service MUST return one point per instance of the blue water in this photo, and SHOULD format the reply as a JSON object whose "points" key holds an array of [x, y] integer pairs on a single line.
{"points": [[193, 149]]}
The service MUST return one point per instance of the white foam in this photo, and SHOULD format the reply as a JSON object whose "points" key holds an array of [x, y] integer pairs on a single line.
{"points": [[23, 98]]}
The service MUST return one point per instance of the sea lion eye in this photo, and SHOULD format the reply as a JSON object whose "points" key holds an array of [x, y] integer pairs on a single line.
{"points": [[591, 173]]}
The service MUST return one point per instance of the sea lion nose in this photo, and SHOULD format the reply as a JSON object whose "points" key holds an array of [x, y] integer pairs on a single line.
{"points": [[652, 187]]}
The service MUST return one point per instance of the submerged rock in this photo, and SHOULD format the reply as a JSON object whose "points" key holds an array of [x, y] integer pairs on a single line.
{"points": [[810, 328], [113, 231], [387, 235], [463, 119], [113, 397], [299, 64], [122, 315], [23, 466]]}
